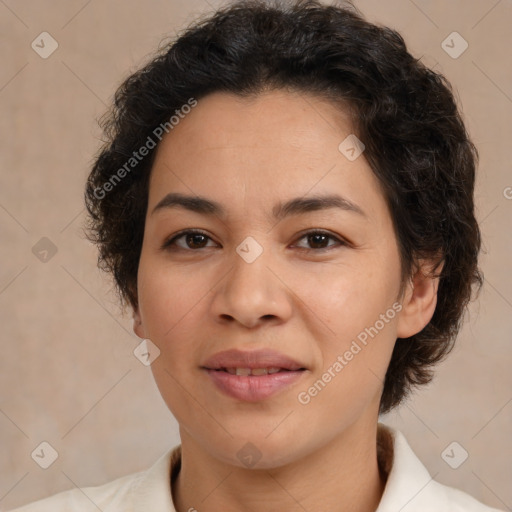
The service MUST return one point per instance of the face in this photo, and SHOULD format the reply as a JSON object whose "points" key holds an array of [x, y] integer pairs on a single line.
{"points": [[302, 295]]}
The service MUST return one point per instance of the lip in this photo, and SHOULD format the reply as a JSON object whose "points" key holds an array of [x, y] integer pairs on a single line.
{"points": [[252, 388], [251, 359]]}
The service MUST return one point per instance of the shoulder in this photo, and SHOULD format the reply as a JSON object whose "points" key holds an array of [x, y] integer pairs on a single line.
{"points": [[148, 489], [84, 499], [409, 486], [458, 501]]}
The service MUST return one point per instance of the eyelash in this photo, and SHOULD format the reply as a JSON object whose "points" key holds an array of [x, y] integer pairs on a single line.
{"points": [[167, 245]]}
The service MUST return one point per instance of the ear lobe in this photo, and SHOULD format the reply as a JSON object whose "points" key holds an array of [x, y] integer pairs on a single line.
{"points": [[419, 303], [138, 328]]}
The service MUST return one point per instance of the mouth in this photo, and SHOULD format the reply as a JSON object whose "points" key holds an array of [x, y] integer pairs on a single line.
{"points": [[255, 362], [253, 384], [244, 372], [252, 376]]}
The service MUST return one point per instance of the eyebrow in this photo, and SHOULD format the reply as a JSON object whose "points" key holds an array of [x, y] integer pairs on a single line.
{"points": [[296, 206]]}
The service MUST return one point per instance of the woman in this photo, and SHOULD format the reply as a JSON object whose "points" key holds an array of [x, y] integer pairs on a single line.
{"points": [[285, 201]]}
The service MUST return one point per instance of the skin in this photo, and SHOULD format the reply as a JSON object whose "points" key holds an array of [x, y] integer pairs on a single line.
{"points": [[200, 298]]}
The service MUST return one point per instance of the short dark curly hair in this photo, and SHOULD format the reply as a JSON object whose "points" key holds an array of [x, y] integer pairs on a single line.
{"points": [[406, 115]]}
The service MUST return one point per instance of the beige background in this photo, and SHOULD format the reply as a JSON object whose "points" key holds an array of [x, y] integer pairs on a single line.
{"points": [[68, 375]]}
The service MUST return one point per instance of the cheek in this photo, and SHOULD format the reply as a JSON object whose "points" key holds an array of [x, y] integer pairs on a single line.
{"points": [[358, 305], [354, 357], [347, 298], [170, 303], [167, 296]]}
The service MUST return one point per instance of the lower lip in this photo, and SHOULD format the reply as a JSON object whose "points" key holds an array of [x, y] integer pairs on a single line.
{"points": [[253, 388]]}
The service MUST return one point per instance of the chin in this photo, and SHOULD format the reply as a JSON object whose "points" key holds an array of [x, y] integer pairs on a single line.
{"points": [[258, 452]]}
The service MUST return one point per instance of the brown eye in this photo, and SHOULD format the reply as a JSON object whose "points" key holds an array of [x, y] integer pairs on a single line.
{"points": [[195, 241], [189, 240], [319, 240]]}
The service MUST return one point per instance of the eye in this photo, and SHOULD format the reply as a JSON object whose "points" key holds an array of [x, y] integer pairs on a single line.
{"points": [[193, 239], [320, 238]]}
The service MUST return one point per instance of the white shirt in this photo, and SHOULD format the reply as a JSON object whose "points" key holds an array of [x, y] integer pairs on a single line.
{"points": [[409, 487]]}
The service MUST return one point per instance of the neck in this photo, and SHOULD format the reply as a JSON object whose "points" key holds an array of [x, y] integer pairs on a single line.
{"points": [[341, 475]]}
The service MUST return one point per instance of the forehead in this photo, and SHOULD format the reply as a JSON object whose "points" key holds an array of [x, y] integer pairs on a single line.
{"points": [[290, 122], [252, 151]]}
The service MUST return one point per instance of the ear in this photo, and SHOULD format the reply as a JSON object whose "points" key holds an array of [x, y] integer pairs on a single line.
{"points": [[419, 300], [138, 328]]}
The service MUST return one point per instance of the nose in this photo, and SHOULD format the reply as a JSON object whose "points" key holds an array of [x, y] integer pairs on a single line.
{"points": [[252, 294]]}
